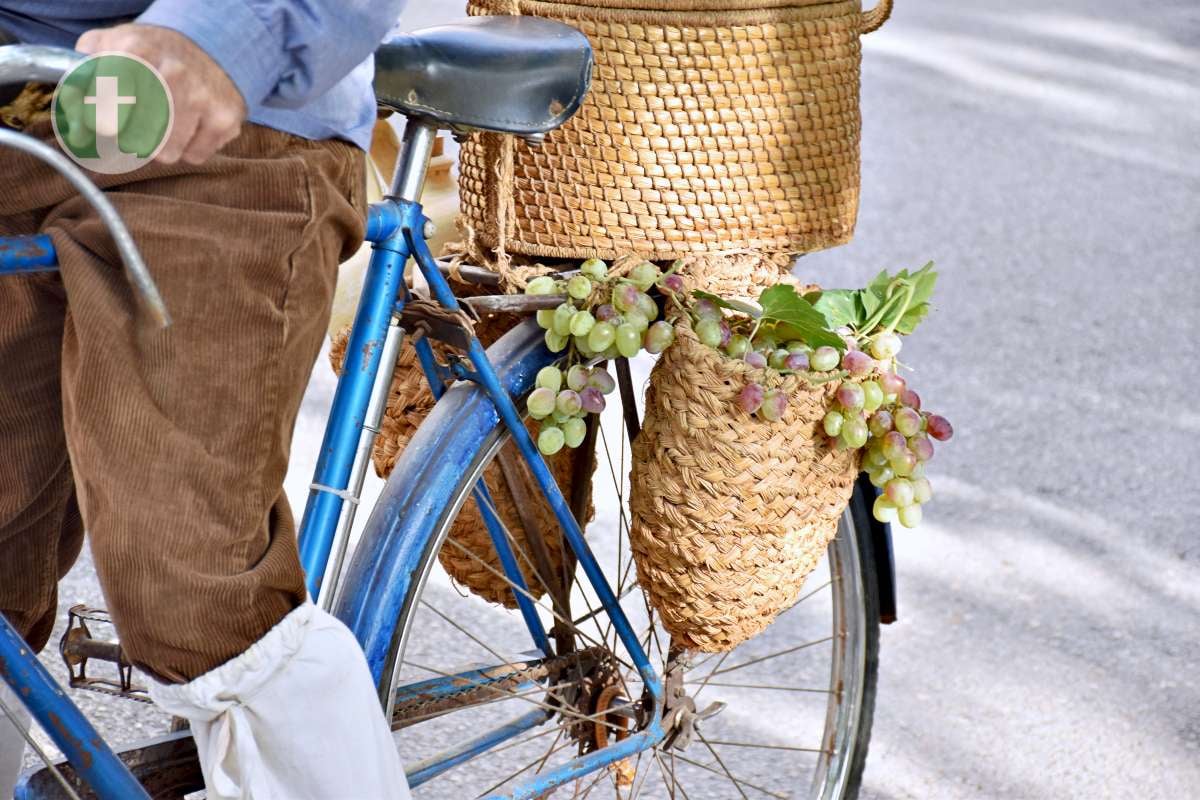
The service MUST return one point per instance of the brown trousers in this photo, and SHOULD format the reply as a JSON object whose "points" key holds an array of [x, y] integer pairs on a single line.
{"points": [[168, 446]]}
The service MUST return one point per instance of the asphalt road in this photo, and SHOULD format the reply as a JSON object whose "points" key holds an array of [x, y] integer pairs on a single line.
{"points": [[1049, 634]]}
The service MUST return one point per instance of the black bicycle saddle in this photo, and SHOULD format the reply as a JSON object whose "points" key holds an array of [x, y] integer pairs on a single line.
{"points": [[519, 75]]}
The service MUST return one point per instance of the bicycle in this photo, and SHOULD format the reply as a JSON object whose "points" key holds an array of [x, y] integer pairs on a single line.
{"points": [[602, 694]]}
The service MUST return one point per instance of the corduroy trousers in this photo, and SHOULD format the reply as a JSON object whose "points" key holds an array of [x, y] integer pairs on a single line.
{"points": [[168, 446]]}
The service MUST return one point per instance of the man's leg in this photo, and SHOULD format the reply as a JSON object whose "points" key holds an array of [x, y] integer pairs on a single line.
{"points": [[40, 529], [179, 440]]}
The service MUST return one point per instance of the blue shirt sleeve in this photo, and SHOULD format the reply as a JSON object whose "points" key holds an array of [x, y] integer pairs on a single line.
{"points": [[280, 53]]}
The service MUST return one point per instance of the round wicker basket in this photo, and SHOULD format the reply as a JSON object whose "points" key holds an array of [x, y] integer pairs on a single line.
{"points": [[711, 125], [730, 513]]}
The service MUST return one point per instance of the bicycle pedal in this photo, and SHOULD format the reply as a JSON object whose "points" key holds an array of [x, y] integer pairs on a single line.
{"points": [[79, 647]]}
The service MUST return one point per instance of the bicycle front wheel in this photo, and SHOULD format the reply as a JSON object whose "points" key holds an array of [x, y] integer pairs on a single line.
{"points": [[477, 712]]}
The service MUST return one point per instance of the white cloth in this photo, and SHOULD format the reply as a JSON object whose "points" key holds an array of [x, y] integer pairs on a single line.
{"points": [[294, 717], [12, 741]]}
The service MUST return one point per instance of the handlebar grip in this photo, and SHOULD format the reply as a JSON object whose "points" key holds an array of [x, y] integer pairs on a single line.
{"points": [[23, 63]]}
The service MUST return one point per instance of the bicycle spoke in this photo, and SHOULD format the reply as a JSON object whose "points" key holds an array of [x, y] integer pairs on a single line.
{"points": [[599, 777], [761, 659], [554, 748], [768, 746], [737, 783], [463, 548], [765, 686]]}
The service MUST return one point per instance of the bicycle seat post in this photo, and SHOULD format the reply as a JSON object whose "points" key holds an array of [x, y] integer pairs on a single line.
{"points": [[413, 164]]}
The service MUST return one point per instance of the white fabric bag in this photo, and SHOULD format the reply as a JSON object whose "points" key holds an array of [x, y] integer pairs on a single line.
{"points": [[295, 717]]}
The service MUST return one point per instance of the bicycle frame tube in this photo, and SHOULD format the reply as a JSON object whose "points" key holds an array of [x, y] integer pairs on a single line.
{"points": [[19, 254]]}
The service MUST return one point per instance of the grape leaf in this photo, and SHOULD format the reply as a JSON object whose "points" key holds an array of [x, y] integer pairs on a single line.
{"points": [[752, 311], [839, 307], [793, 317]]}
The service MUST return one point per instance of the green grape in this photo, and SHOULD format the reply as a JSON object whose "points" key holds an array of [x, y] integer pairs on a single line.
{"points": [[545, 318], [540, 403], [550, 378], [555, 343], [778, 359], [824, 359], [886, 346], [881, 475], [611, 351], [918, 471], [645, 275], [774, 405], [559, 417], [579, 287], [797, 346], [582, 323], [638, 320], [706, 308], [880, 423], [708, 331], [910, 516], [629, 340], [577, 377], [765, 344], [562, 319], [854, 432], [851, 396], [567, 403], [550, 440], [833, 423], [904, 464], [601, 336], [574, 430], [874, 457], [645, 304], [594, 268], [922, 490], [738, 346], [872, 396], [894, 445], [908, 422], [883, 510], [900, 492], [659, 337], [602, 381], [543, 284], [625, 297]]}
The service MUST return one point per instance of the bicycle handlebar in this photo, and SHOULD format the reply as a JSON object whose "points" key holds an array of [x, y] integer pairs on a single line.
{"points": [[20, 63]]}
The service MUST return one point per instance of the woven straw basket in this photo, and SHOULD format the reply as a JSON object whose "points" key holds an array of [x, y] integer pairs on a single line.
{"points": [[730, 513], [711, 125], [470, 557]]}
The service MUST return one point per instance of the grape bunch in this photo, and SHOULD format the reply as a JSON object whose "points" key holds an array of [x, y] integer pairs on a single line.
{"points": [[882, 416], [873, 409], [603, 316], [740, 338]]}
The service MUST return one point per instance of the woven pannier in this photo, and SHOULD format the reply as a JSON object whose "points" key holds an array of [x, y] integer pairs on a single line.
{"points": [[469, 556], [730, 513], [711, 125]]}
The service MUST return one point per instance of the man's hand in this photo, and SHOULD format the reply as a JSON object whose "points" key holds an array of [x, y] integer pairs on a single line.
{"points": [[209, 109]]}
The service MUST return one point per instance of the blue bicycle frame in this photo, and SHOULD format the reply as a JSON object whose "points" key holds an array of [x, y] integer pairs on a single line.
{"points": [[397, 228]]}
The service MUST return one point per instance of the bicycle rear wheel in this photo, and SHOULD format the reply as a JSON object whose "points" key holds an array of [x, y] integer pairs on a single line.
{"points": [[787, 714]]}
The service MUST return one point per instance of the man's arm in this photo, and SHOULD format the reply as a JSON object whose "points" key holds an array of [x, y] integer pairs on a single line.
{"points": [[223, 57]]}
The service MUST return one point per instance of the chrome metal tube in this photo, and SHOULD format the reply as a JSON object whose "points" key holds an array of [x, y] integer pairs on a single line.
{"points": [[413, 164], [135, 267], [362, 457], [23, 63]]}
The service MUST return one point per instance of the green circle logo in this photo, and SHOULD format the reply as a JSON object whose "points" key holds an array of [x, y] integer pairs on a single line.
{"points": [[112, 113]]}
